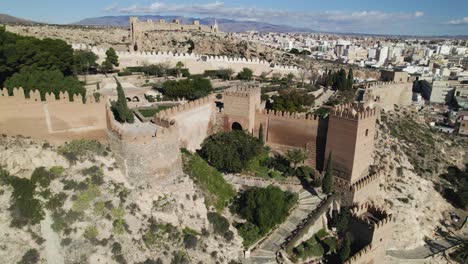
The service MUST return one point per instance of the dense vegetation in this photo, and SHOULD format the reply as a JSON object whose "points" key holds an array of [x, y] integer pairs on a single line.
{"points": [[85, 148], [230, 151], [46, 65], [339, 80], [217, 191], [457, 190], [262, 208], [246, 74], [192, 88], [318, 245], [224, 74], [291, 101]]}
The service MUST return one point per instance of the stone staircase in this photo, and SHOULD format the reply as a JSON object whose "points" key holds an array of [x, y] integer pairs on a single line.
{"points": [[266, 252]]}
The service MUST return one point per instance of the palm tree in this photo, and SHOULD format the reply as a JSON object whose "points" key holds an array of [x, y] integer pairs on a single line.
{"points": [[296, 156]]}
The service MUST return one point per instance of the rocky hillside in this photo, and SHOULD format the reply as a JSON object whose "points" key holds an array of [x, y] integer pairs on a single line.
{"points": [[413, 157], [72, 205]]}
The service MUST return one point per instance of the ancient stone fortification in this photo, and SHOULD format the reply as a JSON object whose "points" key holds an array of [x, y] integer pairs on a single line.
{"points": [[148, 154], [197, 64], [55, 120], [389, 94], [370, 227], [140, 29], [193, 121]]}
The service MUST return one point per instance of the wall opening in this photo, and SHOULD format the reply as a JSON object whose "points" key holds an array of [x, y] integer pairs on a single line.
{"points": [[136, 99], [236, 126], [367, 132], [128, 99]]}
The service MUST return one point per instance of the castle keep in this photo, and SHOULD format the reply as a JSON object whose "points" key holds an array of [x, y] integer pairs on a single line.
{"points": [[139, 29]]}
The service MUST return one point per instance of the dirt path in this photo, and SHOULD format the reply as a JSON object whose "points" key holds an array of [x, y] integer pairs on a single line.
{"points": [[52, 241]]}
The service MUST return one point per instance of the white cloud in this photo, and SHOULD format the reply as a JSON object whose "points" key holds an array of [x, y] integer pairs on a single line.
{"points": [[418, 14], [329, 20], [462, 21]]}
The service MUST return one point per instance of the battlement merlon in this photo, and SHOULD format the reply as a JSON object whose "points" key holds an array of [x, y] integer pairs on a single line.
{"points": [[349, 111], [361, 253], [243, 91], [35, 96], [375, 217], [165, 116]]}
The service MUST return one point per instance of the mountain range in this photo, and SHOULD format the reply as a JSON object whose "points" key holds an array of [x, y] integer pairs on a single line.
{"points": [[225, 25], [4, 18]]}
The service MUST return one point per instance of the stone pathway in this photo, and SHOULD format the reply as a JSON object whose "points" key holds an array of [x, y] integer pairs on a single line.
{"points": [[428, 250], [240, 182], [52, 241], [266, 253]]}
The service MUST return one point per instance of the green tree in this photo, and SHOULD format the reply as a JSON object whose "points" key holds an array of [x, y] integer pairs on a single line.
{"points": [[111, 60], [245, 74], [179, 67], [191, 89], [350, 79], [260, 135], [327, 185], [230, 151], [295, 156], [120, 108], [84, 60], [345, 248]]}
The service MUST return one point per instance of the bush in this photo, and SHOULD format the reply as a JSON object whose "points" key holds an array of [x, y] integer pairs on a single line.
{"points": [[25, 209], [249, 232], [96, 174], [245, 74], [81, 148], [190, 241], [193, 88], [219, 222], [30, 257], [180, 257], [91, 232], [230, 151]]}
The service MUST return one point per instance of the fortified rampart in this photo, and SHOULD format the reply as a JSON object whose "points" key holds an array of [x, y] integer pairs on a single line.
{"points": [[197, 63], [55, 120], [146, 153], [389, 94], [370, 227], [194, 121]]}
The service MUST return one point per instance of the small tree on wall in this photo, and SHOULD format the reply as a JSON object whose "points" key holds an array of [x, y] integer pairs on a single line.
{"points": [[120, 108], [260, 135], [111, 60], [327, 185], [245, 74], [179, 67]]}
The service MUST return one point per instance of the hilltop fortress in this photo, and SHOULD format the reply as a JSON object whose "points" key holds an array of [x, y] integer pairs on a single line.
{"points": [[140, 29]]}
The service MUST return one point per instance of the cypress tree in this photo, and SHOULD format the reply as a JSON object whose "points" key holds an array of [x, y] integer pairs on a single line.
{"points": [[121, 111], [260, 135], [327, 185], [350, 79]]}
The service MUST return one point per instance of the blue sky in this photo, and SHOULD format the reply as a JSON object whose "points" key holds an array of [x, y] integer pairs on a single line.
{"points": [[419, 17]]}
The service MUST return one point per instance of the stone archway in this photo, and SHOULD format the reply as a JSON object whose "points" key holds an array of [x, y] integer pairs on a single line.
{"points": [[136, 99], [128, 99], [236, 126]]}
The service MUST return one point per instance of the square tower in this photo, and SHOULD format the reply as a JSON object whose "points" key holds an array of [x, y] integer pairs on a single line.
{"points": [[350, 140], [240, 105]]}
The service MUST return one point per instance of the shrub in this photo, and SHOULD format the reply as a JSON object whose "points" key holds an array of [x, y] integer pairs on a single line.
{"points": [[219, 222], [190, 241], [91, 232], [96, 174], [215, 188], [25, 209], [230, 151], [249, 232], [193, 88], [179, 257], [30, 257], [245, 74], [81, 147]]}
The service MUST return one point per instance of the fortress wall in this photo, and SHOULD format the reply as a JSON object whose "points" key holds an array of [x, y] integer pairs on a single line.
{"points": [[144, 155], [194, 121], [54, 120], [197, 63], [365, 188], [390, 93]]}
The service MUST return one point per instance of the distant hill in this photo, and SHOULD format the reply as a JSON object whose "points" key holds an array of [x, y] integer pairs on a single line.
{"points": [[225, 25], [7, 19]]}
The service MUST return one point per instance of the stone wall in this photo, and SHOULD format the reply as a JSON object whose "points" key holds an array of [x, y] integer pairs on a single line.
{"points": [[194, 121], [54, 120], [389, 94], [196, 63], [146, 153]]}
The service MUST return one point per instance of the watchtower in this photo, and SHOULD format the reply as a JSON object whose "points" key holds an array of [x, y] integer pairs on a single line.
{"points": [[240, 105], [350, 140]]}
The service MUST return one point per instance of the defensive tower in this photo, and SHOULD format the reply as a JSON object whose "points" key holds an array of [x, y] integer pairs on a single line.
{"points": [[240, 105]]}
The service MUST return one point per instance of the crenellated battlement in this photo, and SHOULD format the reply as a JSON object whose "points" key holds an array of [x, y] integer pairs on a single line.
{"points": [[162, 55], [375, 217], [138, 132], [360, 254], [360, 184], [35, 96], [350, 111], [289, 115], [243, 91], [164, 118]]}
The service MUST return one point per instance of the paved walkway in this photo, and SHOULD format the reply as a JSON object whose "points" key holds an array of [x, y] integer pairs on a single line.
{"points": [[266, 252], [240, 182], [428, 250], [52, 241]]}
